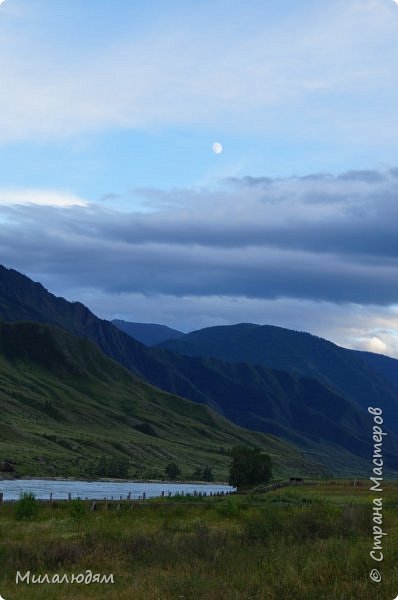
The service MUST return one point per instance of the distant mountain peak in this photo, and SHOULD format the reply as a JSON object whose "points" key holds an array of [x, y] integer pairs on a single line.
{"points": [[149, 334]]}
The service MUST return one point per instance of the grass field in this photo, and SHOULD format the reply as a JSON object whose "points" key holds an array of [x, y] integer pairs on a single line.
{"points": [[299, 542]]}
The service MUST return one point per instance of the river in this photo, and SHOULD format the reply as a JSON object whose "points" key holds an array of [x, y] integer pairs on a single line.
{"points": [[98, 490]]}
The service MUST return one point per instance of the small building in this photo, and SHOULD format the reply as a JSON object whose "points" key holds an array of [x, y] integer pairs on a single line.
{"points": [[296, 480]]}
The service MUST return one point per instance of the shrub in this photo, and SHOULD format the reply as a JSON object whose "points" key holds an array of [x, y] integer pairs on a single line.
{"points": [[26, 507], [205, 474], [110, 467], [172, 471], [77, 509], [259, 525], [146, 428], [228, 508], [315, 522]]}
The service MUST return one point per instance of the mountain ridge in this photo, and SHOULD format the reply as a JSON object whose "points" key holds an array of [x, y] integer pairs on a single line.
{"points": [[260, 398], [149, 334], [299, 353], [63, 400]]}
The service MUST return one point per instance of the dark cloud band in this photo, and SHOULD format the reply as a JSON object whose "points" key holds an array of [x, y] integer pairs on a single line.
{"points": [[329, 238]]}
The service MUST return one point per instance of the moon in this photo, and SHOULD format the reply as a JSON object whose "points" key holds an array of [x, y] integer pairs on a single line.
{"points": [[217, 147]]}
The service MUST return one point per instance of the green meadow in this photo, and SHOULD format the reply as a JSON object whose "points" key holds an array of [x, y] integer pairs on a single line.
{"points": [[303, 542]]}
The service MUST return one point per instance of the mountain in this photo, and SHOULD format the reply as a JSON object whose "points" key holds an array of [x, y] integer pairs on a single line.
{"points": [[65, 407], [149, 334], [354, 375], [21, 299], [300, 410], [297, 409], [384, 365]]}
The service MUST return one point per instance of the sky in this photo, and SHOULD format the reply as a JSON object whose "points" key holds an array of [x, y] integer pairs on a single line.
{"points": [[111, 194]]}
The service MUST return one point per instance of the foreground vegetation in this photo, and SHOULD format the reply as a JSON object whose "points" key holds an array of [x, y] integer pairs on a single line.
{"points": [[299, 542]]}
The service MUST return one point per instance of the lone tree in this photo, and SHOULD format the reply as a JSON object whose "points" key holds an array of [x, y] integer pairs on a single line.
{"points": [[207, 474], [249, 466], [172, 470]]}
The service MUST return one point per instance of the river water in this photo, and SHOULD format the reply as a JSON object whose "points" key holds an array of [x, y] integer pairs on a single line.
{"points": [[98, 490]]}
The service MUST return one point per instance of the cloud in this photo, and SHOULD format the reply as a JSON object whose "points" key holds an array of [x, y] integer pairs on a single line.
{"points": [[315, 250], [331, 240], [373, 344], [110, 196], [348, 325], [40, 197], [365, 175]]}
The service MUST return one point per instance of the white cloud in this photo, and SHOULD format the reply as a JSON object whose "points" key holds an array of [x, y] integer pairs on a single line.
{"points": [[374, 344], [40, 197]]}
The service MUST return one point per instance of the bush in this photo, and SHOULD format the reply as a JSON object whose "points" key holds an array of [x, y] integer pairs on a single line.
{"points": [[172, 471], [146, 428], [228, 508], [117, 468], [205, 474], [77, 509], [259, 525], [316, 522], [77, 513], [26, 507]]}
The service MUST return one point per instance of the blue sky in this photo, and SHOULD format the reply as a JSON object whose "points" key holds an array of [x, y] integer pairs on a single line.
{"points": [[108, 112]]}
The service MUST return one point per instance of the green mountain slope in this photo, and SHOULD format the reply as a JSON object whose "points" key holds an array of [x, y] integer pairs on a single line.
{"points": [[22, 299], [65, 406]]}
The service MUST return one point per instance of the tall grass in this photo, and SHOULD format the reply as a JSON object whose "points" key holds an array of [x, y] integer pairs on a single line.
{"points": [[296, 544]]}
